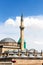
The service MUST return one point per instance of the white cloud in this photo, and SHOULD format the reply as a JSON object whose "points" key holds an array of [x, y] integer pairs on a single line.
{"points": [[33, 21], [28, 21], [33, 30], [38, 42], [9, 22]]}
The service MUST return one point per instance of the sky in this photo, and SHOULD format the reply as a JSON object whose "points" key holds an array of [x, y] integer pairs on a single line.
{"points": [[32, 10]]}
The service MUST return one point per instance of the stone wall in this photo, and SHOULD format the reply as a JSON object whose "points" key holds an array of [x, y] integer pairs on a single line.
{"points": [[24, 61], [28, 62]]}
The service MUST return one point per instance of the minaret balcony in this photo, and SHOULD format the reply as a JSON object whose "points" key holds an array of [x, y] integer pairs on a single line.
{"points": [[21, 27]]}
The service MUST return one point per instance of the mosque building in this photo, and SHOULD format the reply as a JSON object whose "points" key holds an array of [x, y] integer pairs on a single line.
{"points": [[7, 44], [16, 53]]}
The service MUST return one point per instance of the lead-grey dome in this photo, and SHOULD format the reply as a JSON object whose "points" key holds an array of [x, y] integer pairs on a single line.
{"points": [[8, 40]]}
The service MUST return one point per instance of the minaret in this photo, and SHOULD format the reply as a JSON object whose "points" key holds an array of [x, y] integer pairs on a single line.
{"points": [[22, 33]]}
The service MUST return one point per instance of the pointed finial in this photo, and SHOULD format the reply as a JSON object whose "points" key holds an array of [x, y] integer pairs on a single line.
{"points": [[22, 17]]}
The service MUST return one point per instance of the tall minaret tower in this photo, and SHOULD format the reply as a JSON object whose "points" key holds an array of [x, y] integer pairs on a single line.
{"points": [[22, 33]]}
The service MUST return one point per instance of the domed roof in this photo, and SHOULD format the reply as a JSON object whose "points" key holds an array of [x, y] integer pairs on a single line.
{"points": [[8, 40]]}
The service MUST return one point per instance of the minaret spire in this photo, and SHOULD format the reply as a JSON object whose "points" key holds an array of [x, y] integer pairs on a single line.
{"points": [[22, 32], [22, 17]]}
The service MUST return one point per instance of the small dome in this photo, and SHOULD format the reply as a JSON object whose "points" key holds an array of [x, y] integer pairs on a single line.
{"points": [[8, 40], [23, 55]]}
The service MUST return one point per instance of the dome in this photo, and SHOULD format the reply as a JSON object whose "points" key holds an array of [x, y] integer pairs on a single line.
{"points": [[8, 40]]}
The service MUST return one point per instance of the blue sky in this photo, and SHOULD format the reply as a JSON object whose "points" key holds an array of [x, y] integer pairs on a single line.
{"points": [[12, 8], [10, 12]]}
